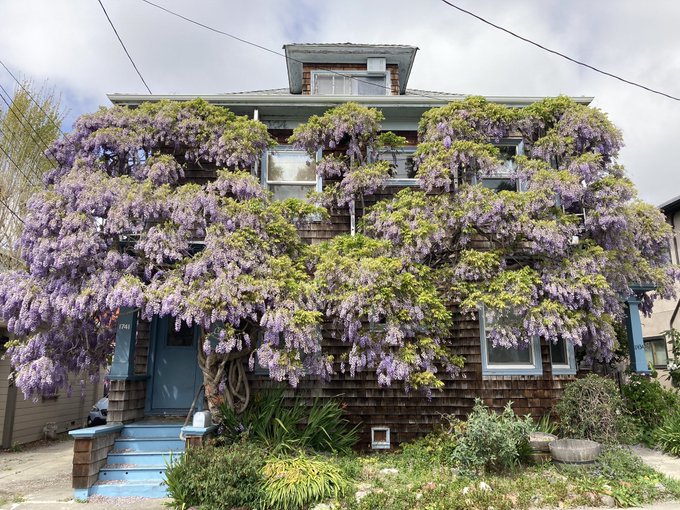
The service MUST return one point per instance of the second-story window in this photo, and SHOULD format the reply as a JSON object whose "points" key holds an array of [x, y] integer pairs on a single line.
{"points": [[288, 173], [502, 178], [349, 83]]}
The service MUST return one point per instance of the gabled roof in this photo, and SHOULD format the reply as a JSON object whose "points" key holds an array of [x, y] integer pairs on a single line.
{"points": [[346, 53]]}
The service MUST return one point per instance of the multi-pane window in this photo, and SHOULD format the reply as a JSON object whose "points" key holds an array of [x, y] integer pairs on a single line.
{"points": [[655, 350], [289, 173], [348, 83], [501, 179], [498, 360], [404, 170]]}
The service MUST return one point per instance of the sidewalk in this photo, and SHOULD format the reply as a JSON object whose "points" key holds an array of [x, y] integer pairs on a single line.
{"points": [[40, 479]]}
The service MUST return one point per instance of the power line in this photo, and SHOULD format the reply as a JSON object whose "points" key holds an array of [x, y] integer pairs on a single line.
{"points": [[554, 52], [2, 201], [273, 52], [124, 48]]}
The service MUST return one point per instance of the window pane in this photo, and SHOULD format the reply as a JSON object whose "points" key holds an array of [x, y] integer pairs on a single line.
{"points": [[284, 191], [509, 356], [497, 184], [182, 338], [323, 84], [655, 350], [290, 166], [507, 153], [558, 353], [405, 168], [371, 85]]}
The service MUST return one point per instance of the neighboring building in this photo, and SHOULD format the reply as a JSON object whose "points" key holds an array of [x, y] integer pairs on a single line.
{"points": [[154, 369], [25, 420], [666, 313]]}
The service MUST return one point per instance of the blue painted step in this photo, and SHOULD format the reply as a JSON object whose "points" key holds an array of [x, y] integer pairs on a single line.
{"points": [[148, 444], [142, 488], [138, 473], [155, 431], [144, 458]]}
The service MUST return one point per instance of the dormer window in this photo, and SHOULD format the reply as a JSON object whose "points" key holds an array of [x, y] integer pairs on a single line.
{"points": [[349, 83]]}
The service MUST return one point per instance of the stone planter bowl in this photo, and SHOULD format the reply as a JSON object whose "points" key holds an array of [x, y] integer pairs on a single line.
{"points": [[540, 441], [574, 451]]}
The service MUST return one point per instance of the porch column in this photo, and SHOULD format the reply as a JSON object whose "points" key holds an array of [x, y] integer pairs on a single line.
{"points": [[123, 365], [636, 345]]}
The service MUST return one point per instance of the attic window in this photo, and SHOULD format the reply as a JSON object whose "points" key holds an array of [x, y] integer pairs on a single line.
{"points": [[349, 83]]}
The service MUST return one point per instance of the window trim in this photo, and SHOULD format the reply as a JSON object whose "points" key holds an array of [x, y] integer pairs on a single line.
{"points": [[317, 184], [353, 74], [570, 367], [536, 368]]}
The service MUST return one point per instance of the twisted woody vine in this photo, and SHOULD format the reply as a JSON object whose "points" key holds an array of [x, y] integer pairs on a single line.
{"points": [[118, 224]]}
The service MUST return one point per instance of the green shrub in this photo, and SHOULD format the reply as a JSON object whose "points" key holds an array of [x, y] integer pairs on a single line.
{"points": [[283, 426], [667, 436], [648, 402], [293, 483], [218, 478], [491, 441], [592, 408]]}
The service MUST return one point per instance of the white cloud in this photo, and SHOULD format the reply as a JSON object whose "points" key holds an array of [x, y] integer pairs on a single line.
{"points": [[70, 43]]}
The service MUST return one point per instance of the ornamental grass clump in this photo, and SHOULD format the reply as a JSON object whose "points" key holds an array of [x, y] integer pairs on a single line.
{"points": [[282, 424], [491, 441], [294, 483]]}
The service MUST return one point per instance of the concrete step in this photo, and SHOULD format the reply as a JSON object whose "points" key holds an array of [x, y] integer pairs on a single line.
{"points": [[148, 444], [138, 488], [144, 458], [155, 431], [131, 473]]}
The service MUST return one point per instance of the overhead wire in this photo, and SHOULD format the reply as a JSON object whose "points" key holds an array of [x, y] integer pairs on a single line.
{"points": [[555, 52], [124, 48], [277, 53]]}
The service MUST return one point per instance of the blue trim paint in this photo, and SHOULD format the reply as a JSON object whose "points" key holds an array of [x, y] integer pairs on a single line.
{"points": [[571, 361], [636, 344], [81, 494], [100, 430], [198, 431], [123, 365]]}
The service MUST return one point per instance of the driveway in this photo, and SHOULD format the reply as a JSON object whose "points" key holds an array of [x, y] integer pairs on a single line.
{"points": [[39, 478]]}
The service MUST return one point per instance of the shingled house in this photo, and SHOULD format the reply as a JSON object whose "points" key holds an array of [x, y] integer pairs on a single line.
{"points": [[154, 369]]}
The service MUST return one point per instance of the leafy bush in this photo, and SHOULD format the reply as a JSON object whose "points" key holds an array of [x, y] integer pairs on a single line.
{"points": [[592, 408], [218, 478], [298, 482], [648, 402], [667, 436], [491, 441], [289, 426]]}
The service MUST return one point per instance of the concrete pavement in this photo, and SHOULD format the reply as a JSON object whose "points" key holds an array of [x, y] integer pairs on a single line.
{"points": [[39, 478]]}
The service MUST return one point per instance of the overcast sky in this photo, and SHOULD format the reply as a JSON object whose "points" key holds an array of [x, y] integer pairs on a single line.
{"points": [[70, 44]]}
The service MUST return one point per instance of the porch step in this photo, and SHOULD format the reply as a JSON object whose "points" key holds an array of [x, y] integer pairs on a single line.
{"points": [[136, 466], [144, 458], [138, 488], [151, 431], [148, 444], [129, 473]]}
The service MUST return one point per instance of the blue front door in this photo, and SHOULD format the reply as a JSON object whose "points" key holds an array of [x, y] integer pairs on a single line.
{"points": [[175, 377]]}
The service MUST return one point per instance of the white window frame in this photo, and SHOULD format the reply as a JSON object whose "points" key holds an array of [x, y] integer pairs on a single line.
{"points": [[564, 369], [535, 368], [401, 181], [518, 143], [355, 85], [264, 178]]}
